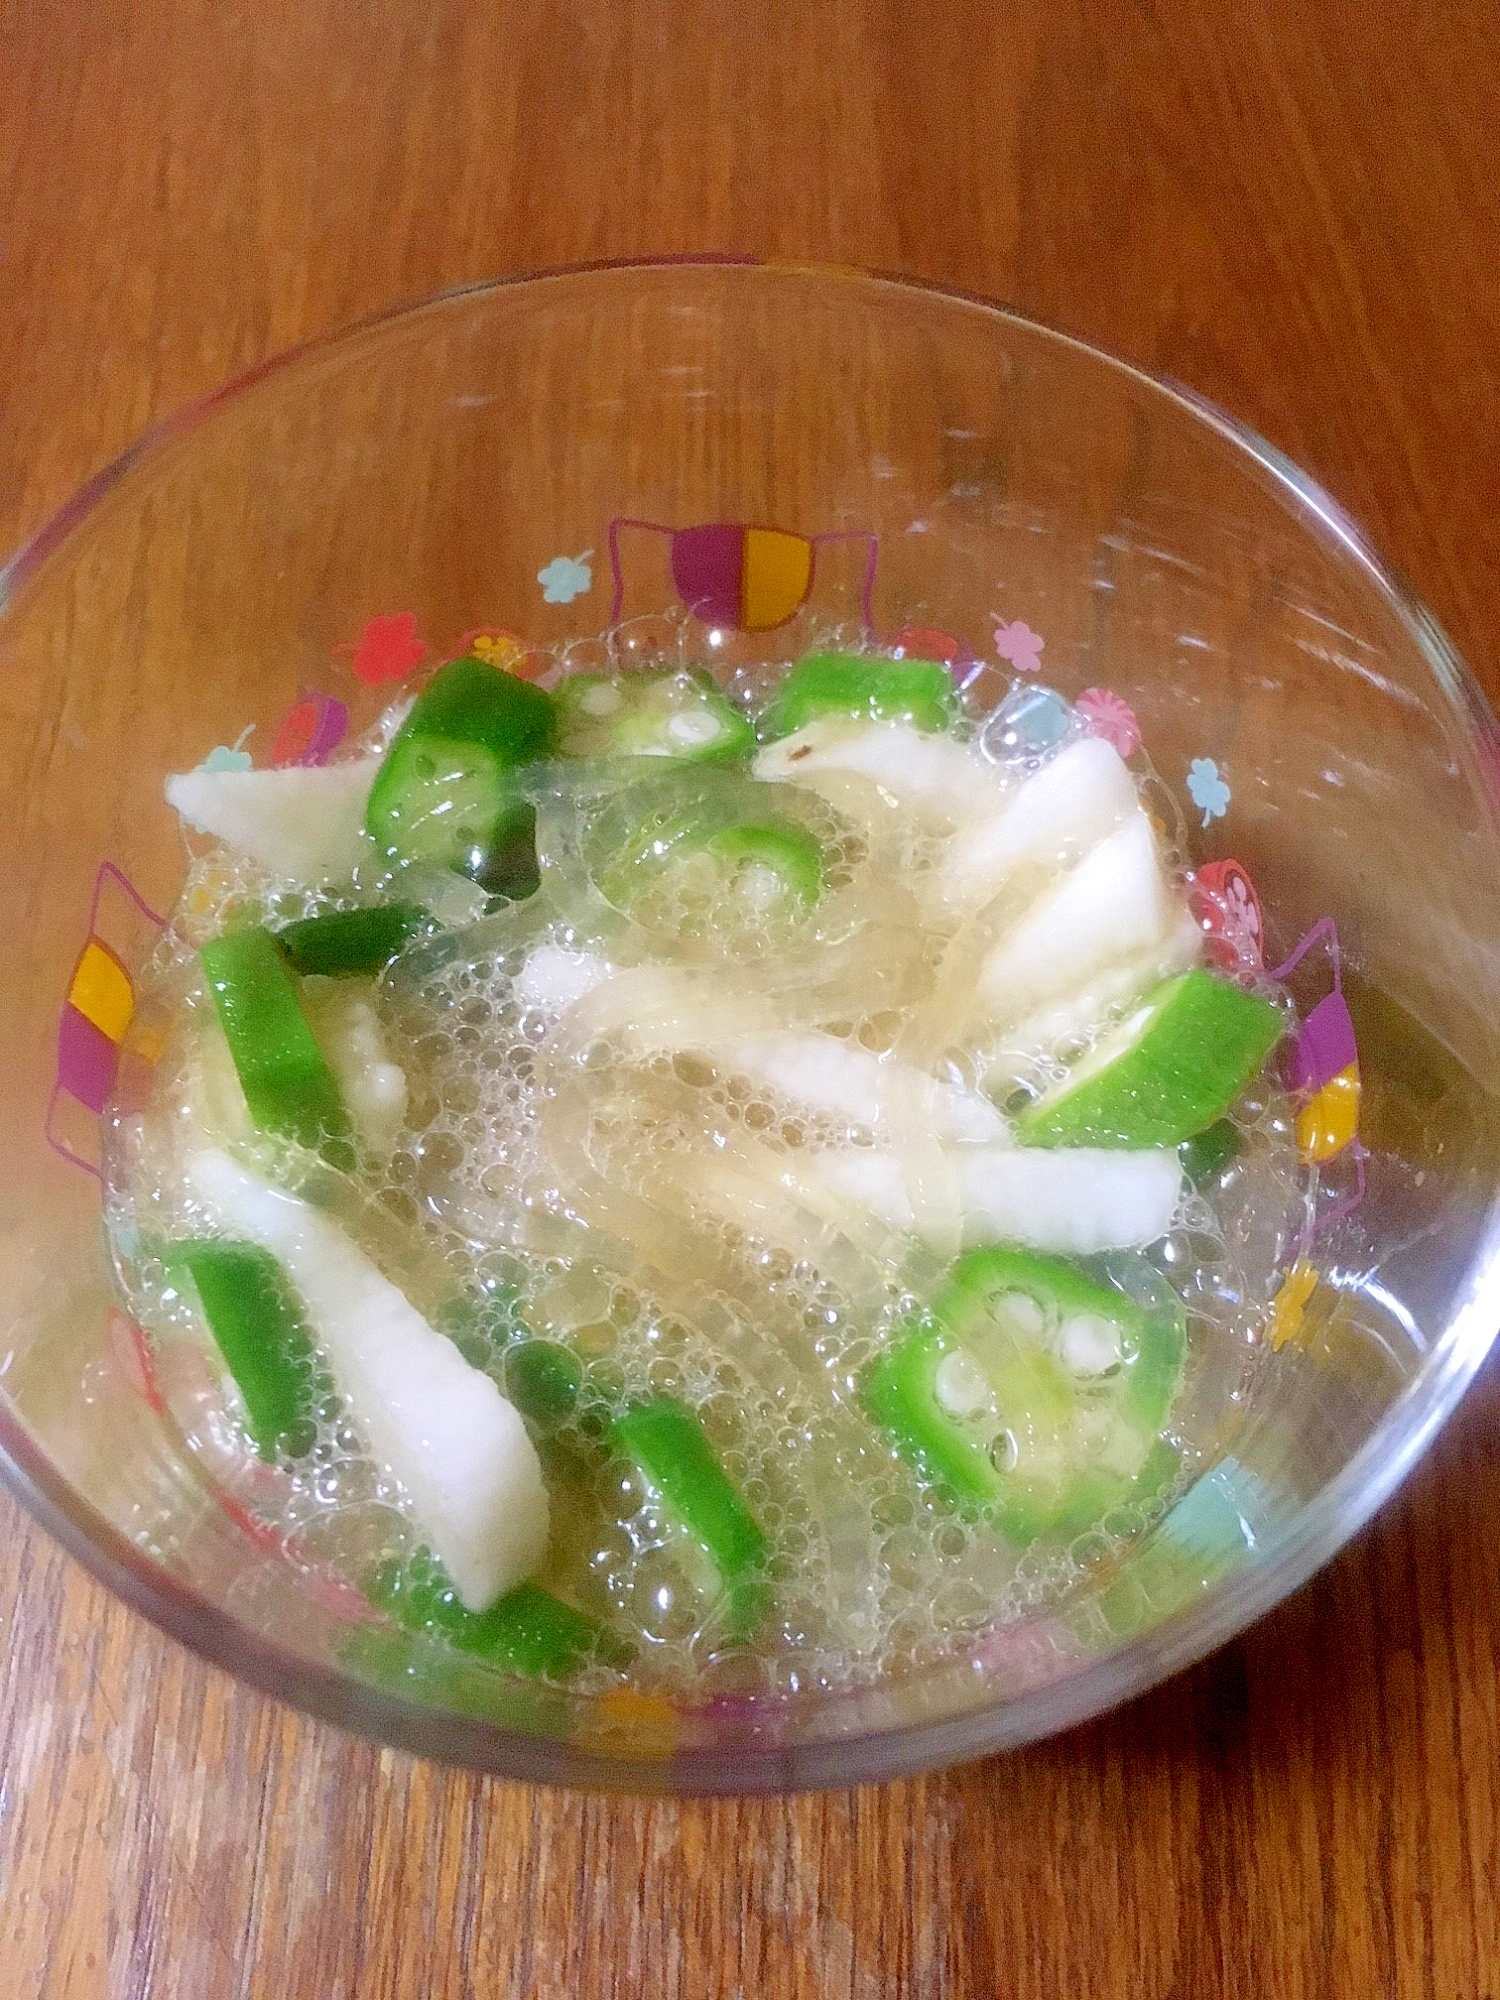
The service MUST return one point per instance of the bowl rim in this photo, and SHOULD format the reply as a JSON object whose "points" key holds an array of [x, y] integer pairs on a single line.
{"points": [[1288, 1557]]}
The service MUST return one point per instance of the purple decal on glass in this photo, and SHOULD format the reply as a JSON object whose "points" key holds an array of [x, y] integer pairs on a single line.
{"points": [[1324, 1046], [708, 567], [86, 1059], [748, 579], [1322, 1067], [96, 1014], [310, 731]]}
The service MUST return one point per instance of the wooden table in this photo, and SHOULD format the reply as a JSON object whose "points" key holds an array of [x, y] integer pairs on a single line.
{"points": [[1291, 205]]}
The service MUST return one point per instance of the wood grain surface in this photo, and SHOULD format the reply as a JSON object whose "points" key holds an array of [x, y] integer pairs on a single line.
{"points": [[1290, 205]]}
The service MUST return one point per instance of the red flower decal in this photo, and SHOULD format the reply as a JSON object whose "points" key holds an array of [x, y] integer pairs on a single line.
{"points": [[310, 731], [928, 642], [388, 649], [1225, 902]]}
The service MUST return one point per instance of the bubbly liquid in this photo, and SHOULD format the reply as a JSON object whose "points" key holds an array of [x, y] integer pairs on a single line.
{"points": [[581, 1178]]}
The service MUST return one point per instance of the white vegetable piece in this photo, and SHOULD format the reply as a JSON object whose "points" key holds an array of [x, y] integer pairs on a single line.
{"points": [[936, 776], [342, 1014], [1072, 1201], [306, 822], [822, 1073], [1081, 1013], [441, 1427], [553, 979], [815, 1071], [1054, 816], [1114, 904]]}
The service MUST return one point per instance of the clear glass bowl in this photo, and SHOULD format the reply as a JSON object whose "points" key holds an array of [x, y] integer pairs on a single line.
{"points": [[516, 457]]}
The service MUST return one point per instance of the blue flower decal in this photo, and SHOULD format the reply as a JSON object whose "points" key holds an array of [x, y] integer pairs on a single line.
{"points": [[1031, 721], [566, 577], [1207, 789], [221, 758]]}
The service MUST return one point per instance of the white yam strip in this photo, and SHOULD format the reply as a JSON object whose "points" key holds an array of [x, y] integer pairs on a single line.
{"points": [[656, 1011], [343, 1016], [1115, 904], [1075, 1202], [1051, 818], [821, 1073], [306, 822], [935, 776], [1035, 1041], [441, 1427]]}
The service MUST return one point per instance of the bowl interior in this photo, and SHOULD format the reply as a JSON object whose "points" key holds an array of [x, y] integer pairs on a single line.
{"points": [[781, 452]]}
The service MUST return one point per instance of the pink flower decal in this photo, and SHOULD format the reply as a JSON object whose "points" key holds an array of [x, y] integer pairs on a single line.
{"points": [[388, 649], [1019, 645], [1111, 717]]}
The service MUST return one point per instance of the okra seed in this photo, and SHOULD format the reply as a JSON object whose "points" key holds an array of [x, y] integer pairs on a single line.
{"points": [[1019, 1312], [694, 729], [1090, 1344], [961, 1385]]}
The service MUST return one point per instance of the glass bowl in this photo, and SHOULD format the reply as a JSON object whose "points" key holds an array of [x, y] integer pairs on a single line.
{"points": [[776, 448]]}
